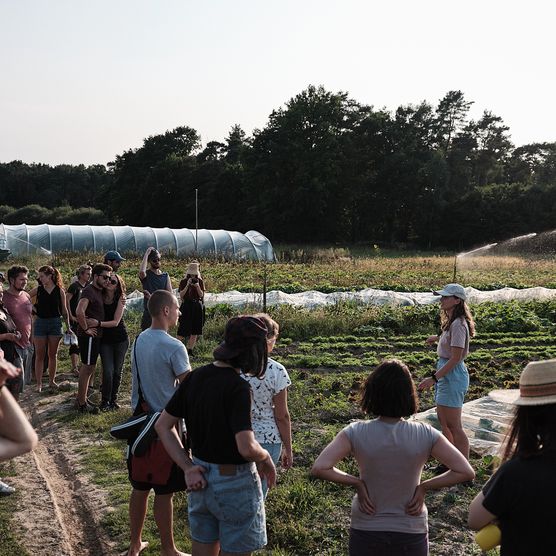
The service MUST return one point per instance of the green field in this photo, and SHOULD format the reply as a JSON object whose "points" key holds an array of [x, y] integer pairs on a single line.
{"points": [[328, 352]]}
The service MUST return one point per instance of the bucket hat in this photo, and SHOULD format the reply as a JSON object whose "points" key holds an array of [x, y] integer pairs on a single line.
{"points": [[537, 385], [193, 269], [241, 333], [449, 290]]}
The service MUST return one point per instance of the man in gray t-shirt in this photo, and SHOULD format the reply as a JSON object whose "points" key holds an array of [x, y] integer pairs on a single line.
{"points": [[162, 363]]}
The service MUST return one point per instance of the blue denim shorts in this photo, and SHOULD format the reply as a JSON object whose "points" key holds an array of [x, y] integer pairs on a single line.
{"points": [[47, 327], [275, 451], [451, 389], [230, 509]]}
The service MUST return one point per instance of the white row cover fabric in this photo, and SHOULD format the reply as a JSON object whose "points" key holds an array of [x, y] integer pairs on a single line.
{"points": [[485, 423], [315, 299], [22, 239]]}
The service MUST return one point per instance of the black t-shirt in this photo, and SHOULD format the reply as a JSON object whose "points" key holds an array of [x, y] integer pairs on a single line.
{"points": [[75, 289], [521, 495], [7, 326], [118, 333], [216, 404]]}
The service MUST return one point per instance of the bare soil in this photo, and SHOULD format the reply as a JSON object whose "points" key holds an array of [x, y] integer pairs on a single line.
{"points": [[60, 511]]}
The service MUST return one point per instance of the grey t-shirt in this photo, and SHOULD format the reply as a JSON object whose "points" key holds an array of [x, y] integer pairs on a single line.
{"points": [[160, 358], [391, 457], [456, 336]]}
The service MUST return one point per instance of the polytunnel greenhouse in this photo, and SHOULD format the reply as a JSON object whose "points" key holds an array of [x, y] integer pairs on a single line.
{"points": [[19, 240]]}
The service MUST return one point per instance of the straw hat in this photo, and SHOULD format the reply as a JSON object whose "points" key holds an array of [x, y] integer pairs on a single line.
{"points": [[193, 269], [537, 385]]}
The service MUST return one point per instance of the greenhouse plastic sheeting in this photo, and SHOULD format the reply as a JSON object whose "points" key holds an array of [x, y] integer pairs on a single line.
{"points": [[24, 240], [485, 422]]}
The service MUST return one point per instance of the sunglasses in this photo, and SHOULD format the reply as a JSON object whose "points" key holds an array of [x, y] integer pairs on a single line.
{"points": [[105, 276], [113, 281]]}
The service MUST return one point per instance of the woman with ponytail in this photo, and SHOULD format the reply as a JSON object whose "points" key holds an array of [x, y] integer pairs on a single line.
{"points": [[50, 307]]}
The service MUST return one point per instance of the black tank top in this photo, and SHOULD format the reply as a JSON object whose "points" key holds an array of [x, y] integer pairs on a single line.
{"points": [[49, 305]]}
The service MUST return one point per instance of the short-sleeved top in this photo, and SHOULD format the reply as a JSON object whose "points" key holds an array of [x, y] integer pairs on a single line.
{"points": [[456, 336], [191, 292], [20, 308], [160, 359], [216, 404], [49, 305], [391, 457], [118, 333], [75, 290], [521, 495], [152, 282], [95, 307], [275, 380]]}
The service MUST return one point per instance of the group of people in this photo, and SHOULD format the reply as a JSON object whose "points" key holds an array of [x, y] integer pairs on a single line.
{"points": [[226, 426]]}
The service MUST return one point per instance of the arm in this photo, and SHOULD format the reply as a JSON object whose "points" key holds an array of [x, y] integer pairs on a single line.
{"points": [[456, 355], [183, 291], [69, 297], [169, 284], [65, 312], [283, 422], [167, 432], [82, 319], [119, 313], [324, 468], [251, 450], [479, 516], [459, 471], [16, 433], [144, 262]]}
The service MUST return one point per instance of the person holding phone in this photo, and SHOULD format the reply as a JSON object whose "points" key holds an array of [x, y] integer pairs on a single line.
{"points": [[192, 293]]}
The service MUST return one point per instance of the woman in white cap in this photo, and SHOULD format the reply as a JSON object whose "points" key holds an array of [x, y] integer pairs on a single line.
{"points": [[451, 379], [192, 318], [520, 495]]}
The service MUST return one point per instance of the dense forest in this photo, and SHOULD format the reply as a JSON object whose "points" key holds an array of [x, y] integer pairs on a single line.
{"points": [[325, 168]]}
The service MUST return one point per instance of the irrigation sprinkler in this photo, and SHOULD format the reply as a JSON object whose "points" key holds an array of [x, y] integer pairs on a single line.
{"points": [[455, 268]]}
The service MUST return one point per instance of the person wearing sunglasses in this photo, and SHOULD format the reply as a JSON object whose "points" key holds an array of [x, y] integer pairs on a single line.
{"points": [[152, 279], [90, 314]]}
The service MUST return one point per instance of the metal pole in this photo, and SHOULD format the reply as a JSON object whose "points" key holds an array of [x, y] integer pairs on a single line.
{"points": [[455, 267], [196, 218], [264, 285]]}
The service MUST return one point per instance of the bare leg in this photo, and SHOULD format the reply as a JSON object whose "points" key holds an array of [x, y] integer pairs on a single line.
{"points": [[163, 510], [53, 344], [40, 350], [191, 341], [85, 373], [137, 512], [75, 363], [450, 419], [205, 549]]}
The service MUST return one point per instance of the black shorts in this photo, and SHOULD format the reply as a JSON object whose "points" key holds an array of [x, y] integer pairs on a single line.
{"points": [[89, 348], [176, 482]]}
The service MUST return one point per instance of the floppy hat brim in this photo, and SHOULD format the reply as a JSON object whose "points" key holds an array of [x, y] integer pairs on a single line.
{"points": [[513, 397], [224, 352]]}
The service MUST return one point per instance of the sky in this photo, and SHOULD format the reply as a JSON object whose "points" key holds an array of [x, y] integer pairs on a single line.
{"points": [[82, 82]]}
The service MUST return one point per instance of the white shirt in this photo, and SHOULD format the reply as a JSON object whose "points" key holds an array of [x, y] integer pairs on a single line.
{"points": [[276, 378]]}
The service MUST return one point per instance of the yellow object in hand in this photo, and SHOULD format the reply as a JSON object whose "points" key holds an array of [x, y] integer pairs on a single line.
{"points": [[488, 537]]}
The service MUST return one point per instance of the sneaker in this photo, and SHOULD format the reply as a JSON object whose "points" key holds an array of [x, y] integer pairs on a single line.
{"points": [[105, 406], [114, 406], [88, 408], [6, 490]]}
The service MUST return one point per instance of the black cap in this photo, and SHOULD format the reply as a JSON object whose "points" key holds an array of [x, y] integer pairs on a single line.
{"points": [[241, 333]]}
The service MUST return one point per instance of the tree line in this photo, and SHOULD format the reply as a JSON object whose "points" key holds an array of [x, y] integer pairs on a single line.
{"points": [[325, 168]]}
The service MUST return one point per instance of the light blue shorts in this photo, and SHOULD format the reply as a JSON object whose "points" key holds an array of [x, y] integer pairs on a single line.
{"points": [[47, 327], [230, 509], [451, 389], [275, 451]]}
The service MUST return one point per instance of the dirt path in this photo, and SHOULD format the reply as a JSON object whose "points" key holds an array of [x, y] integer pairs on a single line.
{"points": [[60, 510]]}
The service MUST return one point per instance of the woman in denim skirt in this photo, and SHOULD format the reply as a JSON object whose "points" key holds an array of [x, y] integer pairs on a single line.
{"points": [[451, 379], [225, 500], [50, 307]]}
